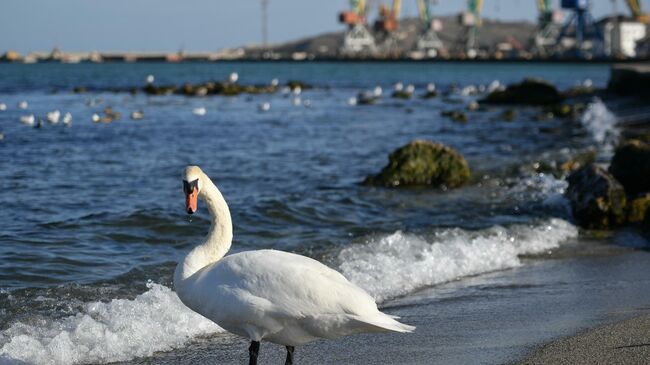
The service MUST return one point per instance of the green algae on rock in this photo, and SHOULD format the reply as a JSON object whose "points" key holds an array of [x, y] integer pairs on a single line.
{"points": [[597, 198], [455, 115], [638, 208], [423, 163]]}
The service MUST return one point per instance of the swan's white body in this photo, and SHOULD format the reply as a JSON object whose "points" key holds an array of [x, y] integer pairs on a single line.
{"points": [[270, 295]]}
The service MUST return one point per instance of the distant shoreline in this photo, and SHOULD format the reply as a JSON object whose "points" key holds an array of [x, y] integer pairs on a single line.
{"points": [[360, 60]]}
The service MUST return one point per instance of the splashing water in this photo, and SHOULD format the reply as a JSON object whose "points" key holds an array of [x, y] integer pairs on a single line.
{"points": [[401, 263], [601, 124], [118, 330]]}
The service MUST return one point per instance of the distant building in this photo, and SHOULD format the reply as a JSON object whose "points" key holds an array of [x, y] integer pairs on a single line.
{"points": [[620, 37]]}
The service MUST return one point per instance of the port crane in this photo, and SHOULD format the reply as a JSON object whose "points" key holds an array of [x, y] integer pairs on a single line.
{"points": [[549, 24], [471, 21], [579, 36], [387, 26], [357, 39], [428, 41]]}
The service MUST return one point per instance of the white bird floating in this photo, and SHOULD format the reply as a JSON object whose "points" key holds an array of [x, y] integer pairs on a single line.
{"points": [[431, 87], [200, 111], [275, 82], [27, 119], [268, 295], [352, 100], [494, 85], [297, 90], [67, 119], [96, 118], [234, 76], [3, 107], [23, 105], [137, 115], [399, 86], [264, 107], [296, 101], [2, 136], [410, 89], [285, 90], [150, 79], [53, 117], [377, 91]]}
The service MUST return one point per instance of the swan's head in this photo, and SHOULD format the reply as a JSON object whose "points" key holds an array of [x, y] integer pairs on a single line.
{"points": [[191, 187]]}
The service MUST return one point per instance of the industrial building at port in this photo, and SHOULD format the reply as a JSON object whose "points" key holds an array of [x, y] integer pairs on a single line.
{"points": [[568, 32]]}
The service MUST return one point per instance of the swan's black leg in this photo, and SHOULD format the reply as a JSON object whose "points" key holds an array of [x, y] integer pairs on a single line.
{"points": [[289, 360], [253, 350]]}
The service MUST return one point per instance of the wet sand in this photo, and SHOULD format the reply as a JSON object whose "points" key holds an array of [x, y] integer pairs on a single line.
{"points": [[490, 319], [625, 342]]}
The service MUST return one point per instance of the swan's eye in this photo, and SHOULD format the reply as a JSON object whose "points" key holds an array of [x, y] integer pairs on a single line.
{"points": [[188, 187]]}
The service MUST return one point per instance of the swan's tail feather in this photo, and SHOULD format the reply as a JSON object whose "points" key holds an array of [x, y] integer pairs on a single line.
{"points": [[384, 322], [338, 325]]}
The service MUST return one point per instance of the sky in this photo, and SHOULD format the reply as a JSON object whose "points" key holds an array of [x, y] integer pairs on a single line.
{"points": [[201, 25]]}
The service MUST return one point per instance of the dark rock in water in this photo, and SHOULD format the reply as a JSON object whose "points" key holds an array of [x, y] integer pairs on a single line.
{"points": [[565, 110], [632, 79], [430, 95], [423, 163], [580, 91], [638, 208], [597, 199], [159, 90], [79, 89], [401, 94], [509, 115], [366, 98], [455, 115], [292, 84], [631, 166], [530, 91]]}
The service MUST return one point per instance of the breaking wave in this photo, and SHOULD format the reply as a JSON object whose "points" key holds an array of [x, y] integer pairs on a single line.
{"points": [[401, 263]]}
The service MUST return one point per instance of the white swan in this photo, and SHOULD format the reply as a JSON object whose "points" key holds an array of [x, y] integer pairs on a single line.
{"points": [[268, 295]]}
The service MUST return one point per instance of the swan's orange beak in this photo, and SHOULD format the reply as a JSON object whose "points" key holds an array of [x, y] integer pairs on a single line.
{"points": [[191, 201]]}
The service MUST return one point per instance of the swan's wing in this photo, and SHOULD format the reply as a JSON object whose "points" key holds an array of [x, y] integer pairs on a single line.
{"points": [[258, 293], [294, 285]]}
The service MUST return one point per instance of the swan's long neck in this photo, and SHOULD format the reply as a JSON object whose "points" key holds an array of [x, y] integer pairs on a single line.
{"points": [[219, 238]]}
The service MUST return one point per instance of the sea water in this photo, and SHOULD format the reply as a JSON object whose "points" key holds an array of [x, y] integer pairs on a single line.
{"points": [[92, 215]]}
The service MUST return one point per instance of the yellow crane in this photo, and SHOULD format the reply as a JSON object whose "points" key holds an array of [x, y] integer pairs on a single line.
{"points": [[637, 13]]}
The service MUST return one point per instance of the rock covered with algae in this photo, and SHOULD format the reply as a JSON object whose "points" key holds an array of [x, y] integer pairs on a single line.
{"points": [[597, 199], [423, 163]]}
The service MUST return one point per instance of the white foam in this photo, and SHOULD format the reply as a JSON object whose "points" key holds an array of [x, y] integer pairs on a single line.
{"points": [[542, 187], [117, 330], [601, 124], [401, 263]]}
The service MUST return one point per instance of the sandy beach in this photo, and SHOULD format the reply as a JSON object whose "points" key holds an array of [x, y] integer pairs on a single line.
{"points": [[625, 342]]}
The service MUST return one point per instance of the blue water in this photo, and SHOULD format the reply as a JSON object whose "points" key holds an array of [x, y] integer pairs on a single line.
{"points": [[94, 211]]}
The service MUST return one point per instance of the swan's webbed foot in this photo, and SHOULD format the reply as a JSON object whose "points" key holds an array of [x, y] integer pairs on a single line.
{"points": [[253, 350], [289, 360]]}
